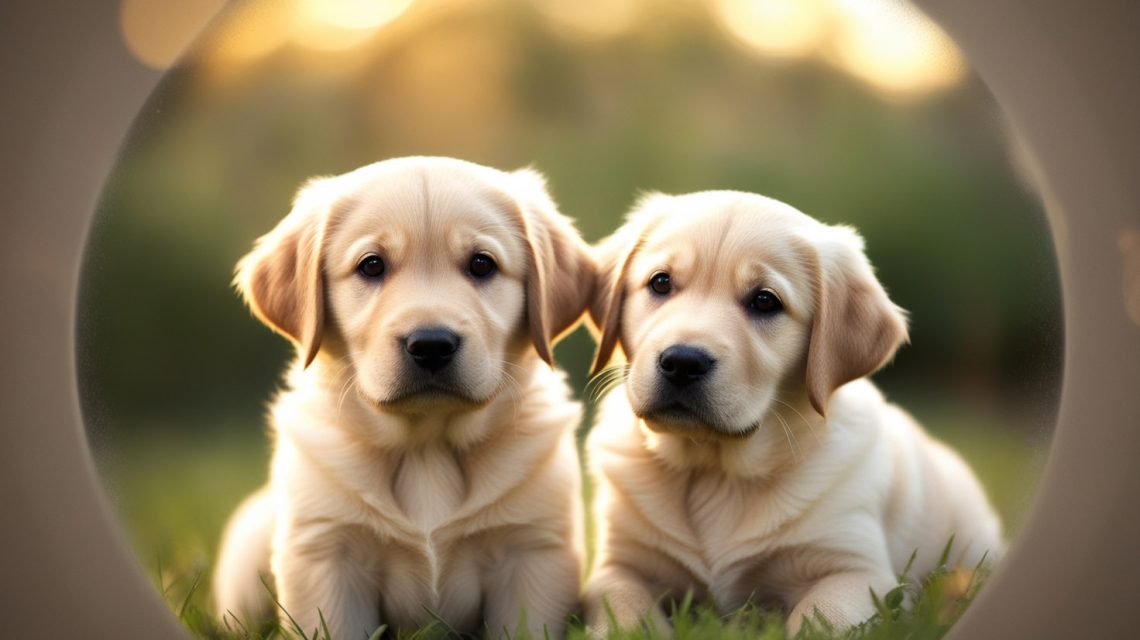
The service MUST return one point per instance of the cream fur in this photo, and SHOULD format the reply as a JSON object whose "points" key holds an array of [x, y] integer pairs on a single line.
{"points": [[758, 496], [394, 503]]}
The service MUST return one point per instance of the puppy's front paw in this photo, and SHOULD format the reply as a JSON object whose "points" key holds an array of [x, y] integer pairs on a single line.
{"points": [[654, 622]]}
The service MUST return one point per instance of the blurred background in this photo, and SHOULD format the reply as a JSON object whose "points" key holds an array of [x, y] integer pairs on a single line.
{"points": [[854, 111]]}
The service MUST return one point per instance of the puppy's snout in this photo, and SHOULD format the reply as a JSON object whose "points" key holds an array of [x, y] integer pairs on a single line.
{"points": [[432, 348], [683, 365]]}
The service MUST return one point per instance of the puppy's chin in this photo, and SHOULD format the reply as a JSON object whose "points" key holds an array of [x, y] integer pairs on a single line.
{"points": [[415, 392], [425, 397], [677, 419], [430, 400]]}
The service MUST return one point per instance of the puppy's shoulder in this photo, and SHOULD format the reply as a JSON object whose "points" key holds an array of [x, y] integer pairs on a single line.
{"points": [[857, 407], [862, 408]]}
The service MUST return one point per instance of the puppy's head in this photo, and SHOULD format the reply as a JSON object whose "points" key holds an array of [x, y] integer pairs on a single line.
{"points": [[724, 301], [423, 278]]}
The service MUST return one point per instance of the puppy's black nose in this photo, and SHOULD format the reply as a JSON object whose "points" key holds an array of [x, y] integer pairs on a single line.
{"points": [[432, 348], [683, 365]]}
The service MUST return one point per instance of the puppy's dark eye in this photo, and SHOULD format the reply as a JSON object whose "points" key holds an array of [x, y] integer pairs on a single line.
{"points": [[764, 302], [482, 265], [371, 267], [661, 284]]}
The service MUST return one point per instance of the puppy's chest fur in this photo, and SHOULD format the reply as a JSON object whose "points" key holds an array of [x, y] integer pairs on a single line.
{"points": [[428, 485], [429, 525], [430, 564], [717, 507], [733, 524], [724, 535]]}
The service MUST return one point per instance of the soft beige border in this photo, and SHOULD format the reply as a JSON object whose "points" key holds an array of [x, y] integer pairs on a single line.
{"points": [[1065, 73]]}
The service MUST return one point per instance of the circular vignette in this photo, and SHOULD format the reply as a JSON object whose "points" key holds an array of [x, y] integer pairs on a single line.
{"points": [[61, 552], [153, 427]]}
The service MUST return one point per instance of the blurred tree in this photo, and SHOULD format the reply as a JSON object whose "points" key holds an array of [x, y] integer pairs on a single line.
{"points": [[669, 105]]}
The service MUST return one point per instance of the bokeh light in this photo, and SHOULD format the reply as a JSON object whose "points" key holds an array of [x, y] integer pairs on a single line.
{"points": [[892, 46], [887, 44], [591, 19], [333, 25], [781, 28], [157, 31], [252, 31]]}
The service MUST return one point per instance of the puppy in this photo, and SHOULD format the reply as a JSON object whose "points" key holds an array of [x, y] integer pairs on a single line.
{"points": [[748, 459], [424, 462]]}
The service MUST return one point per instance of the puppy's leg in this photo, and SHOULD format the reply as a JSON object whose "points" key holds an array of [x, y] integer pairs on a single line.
{"points": [[616, 595], [538, 586], [243, 559], [317, 579], [842, 599]]}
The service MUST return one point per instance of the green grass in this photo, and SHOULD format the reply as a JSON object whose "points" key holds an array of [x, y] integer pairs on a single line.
{"points": [[913, 610], [174, 489]]}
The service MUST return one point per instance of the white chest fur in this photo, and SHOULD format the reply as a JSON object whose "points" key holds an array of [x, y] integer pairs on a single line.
{"points": [[428, 524], [428, 485]]}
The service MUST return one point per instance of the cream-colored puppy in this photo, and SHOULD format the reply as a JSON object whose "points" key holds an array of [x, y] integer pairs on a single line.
{"points": [[747, 458], [424, 463]]}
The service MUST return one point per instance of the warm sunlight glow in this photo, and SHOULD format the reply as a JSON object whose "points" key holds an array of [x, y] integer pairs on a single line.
{"points": [[253, 30], [888, 44], [591, 18], [895, 48], [332, 25], [157, 31], [783, 28]]}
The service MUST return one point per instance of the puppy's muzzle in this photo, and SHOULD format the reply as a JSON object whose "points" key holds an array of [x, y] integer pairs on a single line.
{"points": [[432, 348], [682, 365]]}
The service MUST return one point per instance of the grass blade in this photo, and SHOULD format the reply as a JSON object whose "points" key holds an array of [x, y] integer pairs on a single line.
{"points": [[946, 552], [296, 626], [324, 625], [909, 565], [189, 594]]}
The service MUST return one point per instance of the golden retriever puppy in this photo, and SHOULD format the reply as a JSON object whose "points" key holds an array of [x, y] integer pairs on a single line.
{"points": [[424, 461], [748, 459]]}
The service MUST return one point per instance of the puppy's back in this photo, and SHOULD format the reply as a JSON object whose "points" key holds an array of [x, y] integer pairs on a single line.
{"points": [[935, 495]]}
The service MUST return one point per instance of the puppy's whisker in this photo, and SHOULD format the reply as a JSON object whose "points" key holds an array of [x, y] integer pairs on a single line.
{"points": [[605, 381], [805, 420], [791, 437], [348, 386], [602, 390], [513, 388], [619, 376], [610, 371], [342, 363]]}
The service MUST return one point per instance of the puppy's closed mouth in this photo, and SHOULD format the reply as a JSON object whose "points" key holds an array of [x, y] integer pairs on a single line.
{"points": [[675, 417], [430, 393]]}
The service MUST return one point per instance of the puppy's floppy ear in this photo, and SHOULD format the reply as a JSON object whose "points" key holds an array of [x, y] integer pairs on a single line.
{"points": [[856, 328], [281, 279], [560, 282], [613, 256]]}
